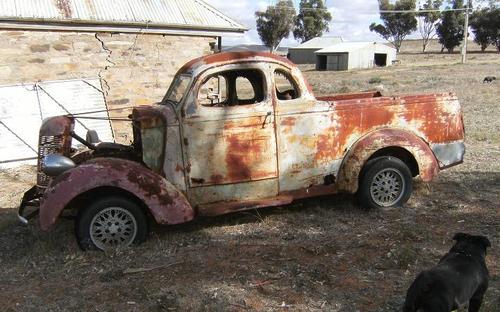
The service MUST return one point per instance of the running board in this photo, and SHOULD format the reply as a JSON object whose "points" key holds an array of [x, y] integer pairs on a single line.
{"points": [[228, 207]]}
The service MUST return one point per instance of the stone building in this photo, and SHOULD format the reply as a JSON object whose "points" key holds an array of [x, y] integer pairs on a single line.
{"points": [[134, 46]]}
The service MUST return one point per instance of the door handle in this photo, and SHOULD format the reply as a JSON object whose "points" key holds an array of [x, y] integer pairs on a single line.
{"points": [[265, 119]]}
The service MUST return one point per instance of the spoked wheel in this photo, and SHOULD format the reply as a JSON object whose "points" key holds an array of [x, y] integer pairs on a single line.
{"points": [[385, 182], [110, 223]]}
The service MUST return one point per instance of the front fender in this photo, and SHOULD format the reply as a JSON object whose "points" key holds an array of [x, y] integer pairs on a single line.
{"points": [[167, 204], [365, 147]]}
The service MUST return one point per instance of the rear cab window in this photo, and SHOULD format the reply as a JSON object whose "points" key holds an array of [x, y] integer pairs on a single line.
{"points": [[233, 88], [286, 87]]}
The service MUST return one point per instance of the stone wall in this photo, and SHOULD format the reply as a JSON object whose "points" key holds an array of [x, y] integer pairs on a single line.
{"points": [[135, 69]]}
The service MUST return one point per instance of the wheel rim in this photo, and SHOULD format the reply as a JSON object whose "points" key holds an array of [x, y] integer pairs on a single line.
{"points": [[113, 227], [387, 187]]}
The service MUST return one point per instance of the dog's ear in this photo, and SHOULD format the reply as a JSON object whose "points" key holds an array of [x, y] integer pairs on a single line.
{"points": [[484, 241], [459, 236]]}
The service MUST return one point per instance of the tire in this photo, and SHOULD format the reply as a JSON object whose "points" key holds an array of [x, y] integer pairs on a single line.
{"points": [[384, 182], [126, 224]]}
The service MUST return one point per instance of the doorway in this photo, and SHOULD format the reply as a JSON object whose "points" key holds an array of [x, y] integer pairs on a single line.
{"points": [[321, 62], [380, 59]]}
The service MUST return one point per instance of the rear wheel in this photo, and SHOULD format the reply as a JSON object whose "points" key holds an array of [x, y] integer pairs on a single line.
{"points": [[385, 182], [109, 223]]}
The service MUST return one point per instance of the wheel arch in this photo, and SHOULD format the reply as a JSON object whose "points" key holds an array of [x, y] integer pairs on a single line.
{"points": [[398, 143], [107, 191], [401, 153], [163, 201]]}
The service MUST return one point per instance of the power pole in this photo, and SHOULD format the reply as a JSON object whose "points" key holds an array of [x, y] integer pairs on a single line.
{"points": [[466, 34]]}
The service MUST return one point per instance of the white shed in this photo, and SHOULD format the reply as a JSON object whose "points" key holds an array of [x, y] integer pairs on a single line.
{"points": [[354, 55], [304, 53]]}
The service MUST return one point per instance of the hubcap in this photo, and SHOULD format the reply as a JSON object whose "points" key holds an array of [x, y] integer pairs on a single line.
{"points": [[387, 187], [113, 227]]}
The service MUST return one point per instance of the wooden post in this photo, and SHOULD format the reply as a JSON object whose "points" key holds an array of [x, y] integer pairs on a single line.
{"points": [[466, 34]]}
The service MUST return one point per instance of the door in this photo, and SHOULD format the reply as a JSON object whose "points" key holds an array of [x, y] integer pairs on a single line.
{"points": [[338, 61], [229, 137]]}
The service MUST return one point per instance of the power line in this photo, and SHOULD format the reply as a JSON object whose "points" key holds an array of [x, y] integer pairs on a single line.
{"points": [[285, 8], [420, 11]]}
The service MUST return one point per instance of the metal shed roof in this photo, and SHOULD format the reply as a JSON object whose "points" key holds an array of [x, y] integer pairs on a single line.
{"points": [[351, 46], [146, 15], [319, 43]]}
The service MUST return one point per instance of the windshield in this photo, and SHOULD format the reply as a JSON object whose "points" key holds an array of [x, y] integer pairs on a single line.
{"points": [[178, 89]]}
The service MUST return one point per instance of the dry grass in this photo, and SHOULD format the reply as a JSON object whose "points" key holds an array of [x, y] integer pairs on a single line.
{"points": [[320, 254]]}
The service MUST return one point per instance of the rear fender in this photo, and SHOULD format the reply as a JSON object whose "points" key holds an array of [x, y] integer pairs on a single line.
{"points": [[364, 148], [167, 204]]}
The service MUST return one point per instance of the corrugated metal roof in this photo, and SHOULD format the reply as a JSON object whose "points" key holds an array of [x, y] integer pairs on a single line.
{"points": [[188, 14], [319, 43], [345, 47]]}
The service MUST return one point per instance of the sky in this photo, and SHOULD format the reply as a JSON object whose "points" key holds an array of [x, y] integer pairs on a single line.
{"points": [[351, 19]]}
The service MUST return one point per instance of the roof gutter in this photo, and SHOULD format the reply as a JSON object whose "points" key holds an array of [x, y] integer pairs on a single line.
{"points": [[121, 27]]}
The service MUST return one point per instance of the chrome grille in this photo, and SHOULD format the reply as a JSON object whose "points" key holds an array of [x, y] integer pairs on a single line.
{"points": [[48, 145]]}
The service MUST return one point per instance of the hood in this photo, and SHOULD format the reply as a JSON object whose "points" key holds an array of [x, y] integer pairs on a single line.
{"points": [[153, 116]]}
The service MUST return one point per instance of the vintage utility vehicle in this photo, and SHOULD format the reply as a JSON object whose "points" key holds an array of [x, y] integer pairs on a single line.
{"points": [[239, 131]]}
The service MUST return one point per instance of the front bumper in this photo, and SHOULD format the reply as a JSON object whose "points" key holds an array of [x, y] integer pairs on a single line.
{"points": [[30, 204]]}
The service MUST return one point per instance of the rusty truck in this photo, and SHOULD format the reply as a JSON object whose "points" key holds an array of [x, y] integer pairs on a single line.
{"points": [[239, 131]]}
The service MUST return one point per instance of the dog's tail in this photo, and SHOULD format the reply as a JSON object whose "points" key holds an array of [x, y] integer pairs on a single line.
{"points": [[422, 286]]}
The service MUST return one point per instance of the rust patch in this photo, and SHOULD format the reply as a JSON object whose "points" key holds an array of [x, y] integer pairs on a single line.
{"points": [[216, 178], [439, 125], [64, 7], [350, 96], [318, 190], [149, 117], [150, 186], [228, 207], [288, 121], [229, 57], [240, 155]]}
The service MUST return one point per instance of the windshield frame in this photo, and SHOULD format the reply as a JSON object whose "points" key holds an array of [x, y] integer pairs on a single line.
{"points": [[177, 82]]}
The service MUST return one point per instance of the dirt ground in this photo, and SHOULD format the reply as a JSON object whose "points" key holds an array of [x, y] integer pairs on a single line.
{"points": [[321, 254]]}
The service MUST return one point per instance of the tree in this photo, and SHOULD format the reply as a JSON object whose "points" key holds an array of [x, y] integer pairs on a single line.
{"points": [[312, 20], [396, 26], [428, 20], [451, 28], [485, 25], [275, 23], [480, 24], [495, 31]]}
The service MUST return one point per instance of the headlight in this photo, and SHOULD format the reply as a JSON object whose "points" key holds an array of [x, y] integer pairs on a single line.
{"points": [[54, 165]]}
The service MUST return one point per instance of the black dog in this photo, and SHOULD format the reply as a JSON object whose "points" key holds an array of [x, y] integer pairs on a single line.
{"points": [[489, 79], [459, 280]]}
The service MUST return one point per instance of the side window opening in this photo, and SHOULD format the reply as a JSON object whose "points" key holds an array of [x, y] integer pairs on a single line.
{"points": [[213, 92], [286, 88], [232, 88], [244, 89]]}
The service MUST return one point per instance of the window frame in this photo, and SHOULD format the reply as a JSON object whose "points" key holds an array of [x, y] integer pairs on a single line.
{"points": [[204, 78], [287, 74], [177, 79]]}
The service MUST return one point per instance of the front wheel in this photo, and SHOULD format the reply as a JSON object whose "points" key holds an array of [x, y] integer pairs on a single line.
{"points": [[385, 182], [109, 223]]}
